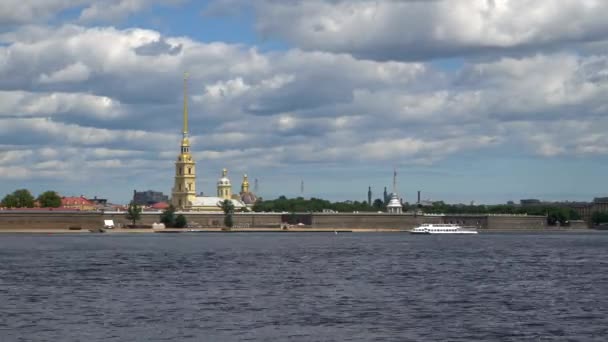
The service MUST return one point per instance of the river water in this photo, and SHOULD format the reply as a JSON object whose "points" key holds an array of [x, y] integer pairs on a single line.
{"points": [[304, 287]]}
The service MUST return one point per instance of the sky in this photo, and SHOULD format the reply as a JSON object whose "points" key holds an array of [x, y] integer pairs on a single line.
{"points": [[469, 100]]}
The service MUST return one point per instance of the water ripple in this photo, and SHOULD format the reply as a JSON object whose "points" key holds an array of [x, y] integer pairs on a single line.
{"points": [[298, 287]]}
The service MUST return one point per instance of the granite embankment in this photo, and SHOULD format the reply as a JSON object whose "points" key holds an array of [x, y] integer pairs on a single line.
{"points": [[11, 221]]}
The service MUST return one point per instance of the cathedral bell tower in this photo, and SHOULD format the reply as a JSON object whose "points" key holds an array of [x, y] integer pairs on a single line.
{"points": [[184, 188]]}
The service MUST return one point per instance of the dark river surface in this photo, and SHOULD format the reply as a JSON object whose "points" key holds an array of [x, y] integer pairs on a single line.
{"points": [[304, 287]]}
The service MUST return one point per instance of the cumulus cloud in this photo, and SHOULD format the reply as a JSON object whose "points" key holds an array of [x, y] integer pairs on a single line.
{"points": [[111, 10], [76, 72], [407, 30], [25, 11], [28, 104], [30, 11]]}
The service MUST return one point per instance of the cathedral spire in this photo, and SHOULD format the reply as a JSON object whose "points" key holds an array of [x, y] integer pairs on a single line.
{"points": [[185, 132], [183, 194], [395, 180]]}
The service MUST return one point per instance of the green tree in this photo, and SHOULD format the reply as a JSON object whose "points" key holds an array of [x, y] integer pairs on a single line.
{"points": [[574, 215], [228, 209], [599, 217], [378, 204], [228, 221], [180, 221], [24, 198], [293, 218], [133, 213], [9, 201], [49, 199], [21, 198], [168, 216]]}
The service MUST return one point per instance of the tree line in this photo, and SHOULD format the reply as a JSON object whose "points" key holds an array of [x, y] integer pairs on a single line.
{"points": [[300, 204], [23, 198], [555, 214]]}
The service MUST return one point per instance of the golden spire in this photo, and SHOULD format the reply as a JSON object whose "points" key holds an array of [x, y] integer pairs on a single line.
{"points": [[185, 105]]}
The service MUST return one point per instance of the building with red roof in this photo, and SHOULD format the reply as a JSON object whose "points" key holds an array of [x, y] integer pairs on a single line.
{"points": [[160, 206], [79, 203]]}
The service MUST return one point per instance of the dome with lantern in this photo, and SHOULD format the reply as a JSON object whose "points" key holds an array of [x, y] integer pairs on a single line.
{"points": [[224, 181]]}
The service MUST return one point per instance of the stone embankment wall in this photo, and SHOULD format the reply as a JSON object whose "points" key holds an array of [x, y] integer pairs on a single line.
{"points": [[371, 221], [516, 222], [244, 220], [476, 221], [86, 220]]}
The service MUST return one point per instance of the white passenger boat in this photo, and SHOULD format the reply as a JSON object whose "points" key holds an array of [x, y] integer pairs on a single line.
{"points": [[438, 228]]}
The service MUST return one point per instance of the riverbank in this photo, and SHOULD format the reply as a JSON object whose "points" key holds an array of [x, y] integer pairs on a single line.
{"points": [[119, 231], [206, 230]]}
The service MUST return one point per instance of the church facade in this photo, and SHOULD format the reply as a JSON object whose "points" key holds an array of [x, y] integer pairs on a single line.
{"points": [[183, 194]]}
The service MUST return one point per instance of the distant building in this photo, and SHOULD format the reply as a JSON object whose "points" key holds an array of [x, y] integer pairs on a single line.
{"points": [[584, 209], [78, 203], [149, 197], [160, 206], [98, 201], [528, 202], [101, 204]]}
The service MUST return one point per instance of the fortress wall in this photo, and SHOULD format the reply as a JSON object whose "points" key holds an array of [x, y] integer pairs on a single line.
{"points": [[578, 224], [208, 219], [63, 220], [371, 221], [86, 220], [49, 220], [516, 222], [240, 220], [477, 221]]}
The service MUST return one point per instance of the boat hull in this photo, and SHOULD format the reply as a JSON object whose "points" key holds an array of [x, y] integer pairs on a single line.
{"points": [[442, 233]]}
